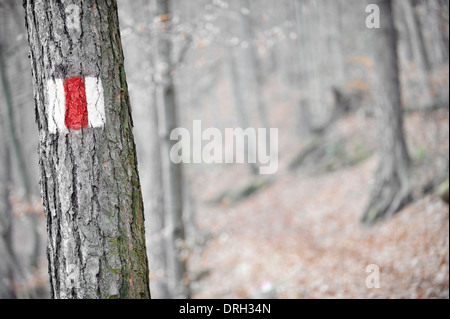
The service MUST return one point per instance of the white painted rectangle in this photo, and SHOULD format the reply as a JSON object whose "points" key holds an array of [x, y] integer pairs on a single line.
{"points": [[95, 102], [57, 106]]}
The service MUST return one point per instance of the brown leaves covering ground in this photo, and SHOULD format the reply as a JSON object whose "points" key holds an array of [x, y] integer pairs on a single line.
{"points": [[301, 237]]}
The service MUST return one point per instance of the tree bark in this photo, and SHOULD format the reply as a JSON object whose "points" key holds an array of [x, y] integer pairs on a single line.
{"points": [[172, 173], [391, 180], [89, 178]]}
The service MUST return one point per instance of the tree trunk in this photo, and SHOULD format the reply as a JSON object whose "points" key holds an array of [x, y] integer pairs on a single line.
{"points": [[172, 173], [423, 65], [442, 15], [283, 49], [316, 78], [6, 90], [89, 179], [6, 251], [147, 137], [239, 106], [304, 116], [17, 146], [157, 227], [336, 14], [252, 65], [391, 186]]}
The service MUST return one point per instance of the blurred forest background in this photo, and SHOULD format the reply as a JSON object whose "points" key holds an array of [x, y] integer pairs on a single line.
{"points": [[307, 67]]}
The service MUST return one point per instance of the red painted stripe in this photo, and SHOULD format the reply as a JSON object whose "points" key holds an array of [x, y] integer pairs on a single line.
{"points": [[76, 106]]}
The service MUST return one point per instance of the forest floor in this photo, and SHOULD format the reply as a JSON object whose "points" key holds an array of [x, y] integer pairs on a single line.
{"points": [[301, 237]]}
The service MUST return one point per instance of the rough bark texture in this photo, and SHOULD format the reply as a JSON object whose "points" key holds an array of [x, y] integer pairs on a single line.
{"points": [[391, 180], [172, 173], [89, 179]]}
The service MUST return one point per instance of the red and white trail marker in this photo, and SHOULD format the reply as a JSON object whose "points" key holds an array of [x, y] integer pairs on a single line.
{"points": [[75, 103]]}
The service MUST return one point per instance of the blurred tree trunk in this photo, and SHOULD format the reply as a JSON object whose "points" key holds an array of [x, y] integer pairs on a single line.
{"points": [[172, 173], [391, 180], [304, 124], [316, 71], [6, 89], [435, 27], [322, 53], [19, 156], [146, 128], [10, 75], [421, 58], [251, 64], [13, 140], [157, 224], [433, 34], [283, 48], [335, 48], [405, 50], [193, 233], [6, 260], [442, 15], [89, 179], [236, 87], [239, 106]]}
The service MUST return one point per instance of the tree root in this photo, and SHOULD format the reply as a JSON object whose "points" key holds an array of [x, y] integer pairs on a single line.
{"points": [[387, 199], [391, 197], [240, 193]]}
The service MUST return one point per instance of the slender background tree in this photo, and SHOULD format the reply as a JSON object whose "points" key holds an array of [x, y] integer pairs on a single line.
{"points": [[172, 172]]}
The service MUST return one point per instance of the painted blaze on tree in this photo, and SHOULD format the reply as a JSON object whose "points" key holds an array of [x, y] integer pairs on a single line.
{"points": [[89, 178], [75, 103]]}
